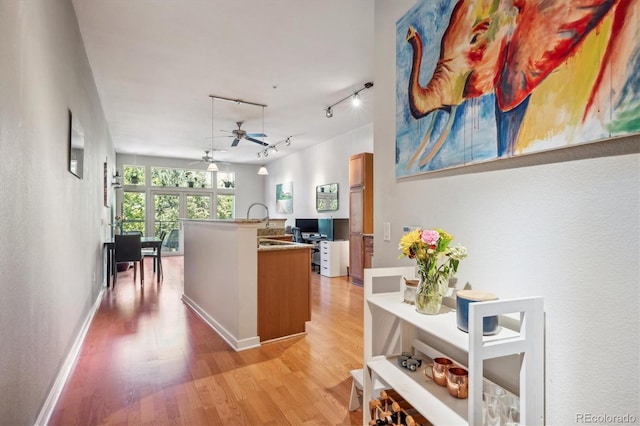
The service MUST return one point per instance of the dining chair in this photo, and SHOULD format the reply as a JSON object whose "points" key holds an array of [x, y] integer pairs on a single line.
{"points": [[155, 253], [173, 240], [128, 248]]}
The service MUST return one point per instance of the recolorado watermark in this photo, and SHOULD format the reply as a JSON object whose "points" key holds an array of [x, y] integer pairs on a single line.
{"points": [[590, 418]]}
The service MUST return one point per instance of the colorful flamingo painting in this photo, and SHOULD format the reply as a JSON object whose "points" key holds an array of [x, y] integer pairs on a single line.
{"points": [[486, 79]]}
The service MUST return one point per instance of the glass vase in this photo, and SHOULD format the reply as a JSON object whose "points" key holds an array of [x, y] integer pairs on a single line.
{"points": [[429, 294]]}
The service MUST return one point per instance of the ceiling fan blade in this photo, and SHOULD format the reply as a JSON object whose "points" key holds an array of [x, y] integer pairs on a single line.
{"points": [[257, 141], [235, 142], [195, 162], [256, 135]]}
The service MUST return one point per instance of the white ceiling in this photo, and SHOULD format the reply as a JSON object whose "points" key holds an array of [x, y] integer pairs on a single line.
{"points": [[156, 63]]}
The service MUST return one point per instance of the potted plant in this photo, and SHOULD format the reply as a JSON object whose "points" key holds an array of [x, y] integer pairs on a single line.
{"points": [[228, 183], [134, 178]]}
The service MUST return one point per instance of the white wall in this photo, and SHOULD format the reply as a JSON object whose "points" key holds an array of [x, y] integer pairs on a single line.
{"points": [[51, 251], [563, 225], [327, 162]]}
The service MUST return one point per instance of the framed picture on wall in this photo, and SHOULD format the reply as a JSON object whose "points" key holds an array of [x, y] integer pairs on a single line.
{"points": [[532, 79], [75, 146], [105, 184], [284, 198], [327, 197]]}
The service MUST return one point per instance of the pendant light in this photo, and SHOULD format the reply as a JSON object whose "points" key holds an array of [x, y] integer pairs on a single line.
{"points": [[263, 170], [213, 167]]}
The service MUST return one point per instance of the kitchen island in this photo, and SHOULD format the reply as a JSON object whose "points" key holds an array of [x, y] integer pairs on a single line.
{"points": [[284, 291], [246, 287]]}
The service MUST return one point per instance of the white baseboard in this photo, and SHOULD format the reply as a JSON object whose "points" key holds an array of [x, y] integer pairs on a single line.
{"points": [[236, 344], [63, 375]]}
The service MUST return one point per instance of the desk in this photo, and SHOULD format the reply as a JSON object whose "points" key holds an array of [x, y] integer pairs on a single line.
{"points": [[147, 242]]}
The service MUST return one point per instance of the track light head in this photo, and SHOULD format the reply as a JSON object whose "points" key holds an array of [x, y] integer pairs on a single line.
{"points": [[355, 101], [329, 112], [288, 141]]}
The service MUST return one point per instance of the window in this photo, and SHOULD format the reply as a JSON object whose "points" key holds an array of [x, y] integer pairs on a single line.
{"points": [[181, 178], [226, 180], [134, 175], [133, 212], [166, 209], [225, 206], [198, 206]]}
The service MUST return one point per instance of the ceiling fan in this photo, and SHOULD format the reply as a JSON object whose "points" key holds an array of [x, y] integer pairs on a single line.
{"points": [[206, 158], [239, 134]]}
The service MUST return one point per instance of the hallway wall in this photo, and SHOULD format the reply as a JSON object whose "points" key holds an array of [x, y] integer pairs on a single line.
{"points": [[563, 224], [51, 251]]}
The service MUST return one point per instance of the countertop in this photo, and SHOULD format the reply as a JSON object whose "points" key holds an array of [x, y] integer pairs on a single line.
{"points": [[266, 244]]}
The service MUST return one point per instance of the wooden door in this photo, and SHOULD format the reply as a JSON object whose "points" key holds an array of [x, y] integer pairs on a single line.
{"points": [[356, 265], [356, 170], [356, 199]]}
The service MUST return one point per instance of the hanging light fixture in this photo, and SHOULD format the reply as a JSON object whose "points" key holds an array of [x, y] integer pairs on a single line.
{"points": [[355, 99], [263, 170], [212, 167]]}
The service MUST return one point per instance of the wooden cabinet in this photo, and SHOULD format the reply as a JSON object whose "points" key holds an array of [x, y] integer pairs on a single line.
{"points": [[284, 292], [368, 251], [360, 211]]}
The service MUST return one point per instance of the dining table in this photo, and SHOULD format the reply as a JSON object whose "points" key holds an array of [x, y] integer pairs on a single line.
{"points": [[146, 242]]}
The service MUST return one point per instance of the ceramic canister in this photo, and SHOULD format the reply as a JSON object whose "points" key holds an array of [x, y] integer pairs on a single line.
{"points": [[463, 298]]}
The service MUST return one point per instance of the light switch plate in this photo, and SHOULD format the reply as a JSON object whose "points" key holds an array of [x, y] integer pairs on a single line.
{"points": [[387, 231]]}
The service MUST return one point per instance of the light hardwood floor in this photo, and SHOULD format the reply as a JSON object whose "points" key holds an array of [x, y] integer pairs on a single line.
{"points": [[148, 359]]}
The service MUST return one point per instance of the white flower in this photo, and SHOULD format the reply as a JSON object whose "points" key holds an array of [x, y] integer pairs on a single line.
{"points": [[458, 252]]}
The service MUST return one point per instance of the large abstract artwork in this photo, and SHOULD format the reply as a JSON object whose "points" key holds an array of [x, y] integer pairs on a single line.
{"points": [[479, 80]]}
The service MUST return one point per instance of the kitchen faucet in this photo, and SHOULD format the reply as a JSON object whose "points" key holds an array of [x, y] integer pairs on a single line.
{"points": [[259, 204]]}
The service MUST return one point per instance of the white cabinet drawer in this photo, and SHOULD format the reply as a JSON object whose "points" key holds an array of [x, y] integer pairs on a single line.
{"points": [[332, 258]]}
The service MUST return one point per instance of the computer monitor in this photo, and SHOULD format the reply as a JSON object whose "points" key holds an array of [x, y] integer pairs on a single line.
{"points": [[325, 228], [307, 226]]}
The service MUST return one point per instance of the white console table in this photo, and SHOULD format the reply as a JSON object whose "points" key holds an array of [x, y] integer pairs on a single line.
{"points": [[390, 326]]}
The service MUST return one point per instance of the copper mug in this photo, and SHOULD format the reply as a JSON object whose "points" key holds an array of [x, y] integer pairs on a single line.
{"points": [[458, 382], [438, 368]]}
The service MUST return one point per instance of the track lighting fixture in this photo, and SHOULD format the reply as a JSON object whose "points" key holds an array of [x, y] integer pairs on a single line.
{"points": [[355, 99], [265, 152], [329, 112]]}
